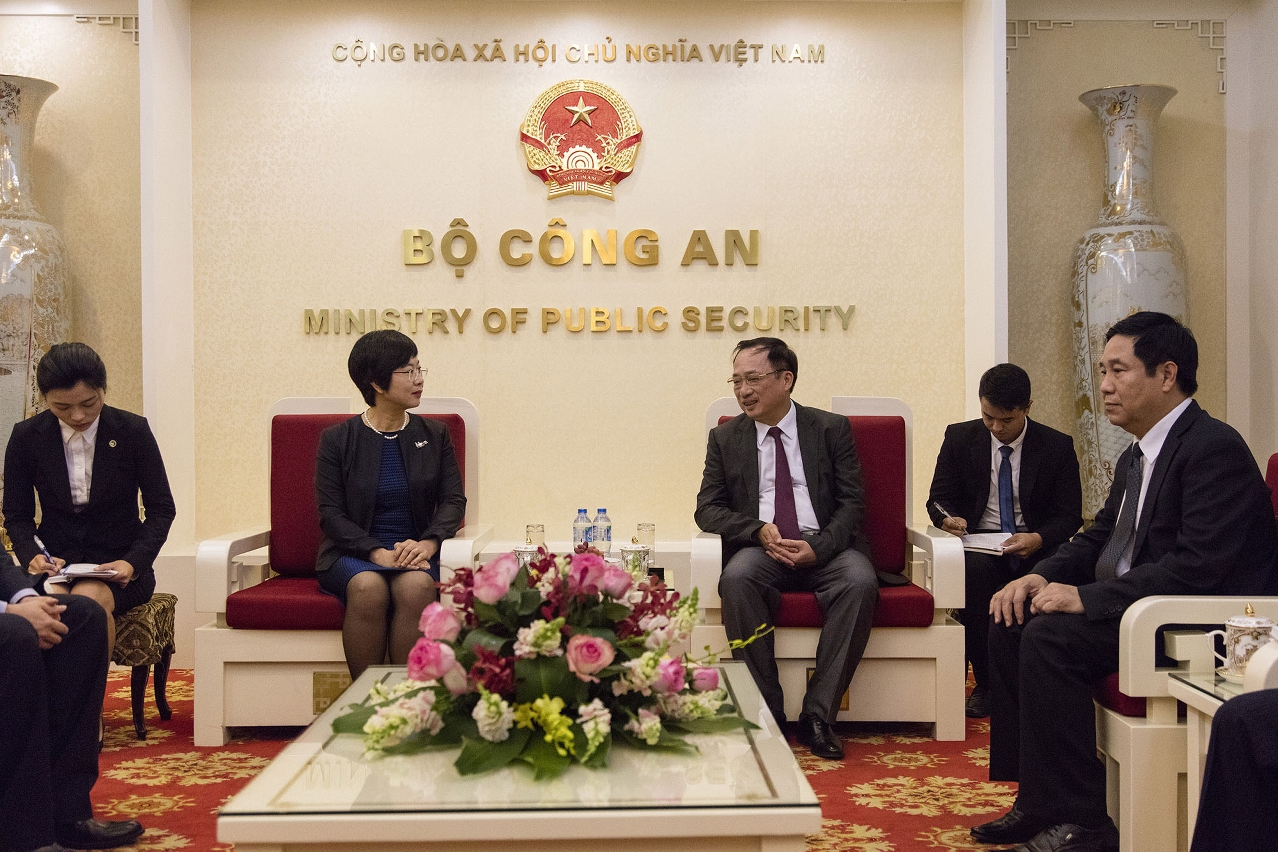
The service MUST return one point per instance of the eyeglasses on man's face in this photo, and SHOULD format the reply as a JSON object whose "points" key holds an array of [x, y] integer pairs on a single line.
{"points": [[750, 380], [413, 373]]}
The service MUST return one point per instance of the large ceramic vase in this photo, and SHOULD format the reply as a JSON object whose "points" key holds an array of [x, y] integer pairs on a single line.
{"points": [[1131, 261], [34, 312]]}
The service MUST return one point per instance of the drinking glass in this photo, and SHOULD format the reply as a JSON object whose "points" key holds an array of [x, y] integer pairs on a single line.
{"points": [[535, 534], [647, 534]]}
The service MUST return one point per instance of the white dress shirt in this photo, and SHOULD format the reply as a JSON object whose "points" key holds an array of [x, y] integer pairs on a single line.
{"points": [[789, 427], [78, 447], [990, 520], [1150, 446]]}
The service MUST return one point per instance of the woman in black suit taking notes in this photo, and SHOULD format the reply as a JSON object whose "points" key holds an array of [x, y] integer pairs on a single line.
{"points": [[87, 462], [389, 491]]}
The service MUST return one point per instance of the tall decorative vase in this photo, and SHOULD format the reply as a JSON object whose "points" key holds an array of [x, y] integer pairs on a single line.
{"points": [[1131, 261], [34, 312]]}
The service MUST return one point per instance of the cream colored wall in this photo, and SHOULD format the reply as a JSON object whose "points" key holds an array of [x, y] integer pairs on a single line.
{"points": [[1055, 174], [307, 170], [86, 174], [1263, 172]]}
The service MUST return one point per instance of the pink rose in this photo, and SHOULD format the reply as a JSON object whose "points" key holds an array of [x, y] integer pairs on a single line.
{"points": [[585, 574], [438, 622], [587, 655], [670, 676], [455, 680], [493, 579], [429, 660], [616, 582], [705, 679]]}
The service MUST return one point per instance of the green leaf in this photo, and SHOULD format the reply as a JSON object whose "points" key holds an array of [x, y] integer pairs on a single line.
{"points": [[543, 676], [353, 722], [481, 637], [599, 759], [615, 612], [545, 761], [479, 755], [713, 725], [529, 602], [423, 741], [488, 613]]}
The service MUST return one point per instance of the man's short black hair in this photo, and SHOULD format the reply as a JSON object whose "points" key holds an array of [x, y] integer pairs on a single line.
{"points": [[1158, 338], [780, 355], [375, 356], [65, 365], [1005, 386]]}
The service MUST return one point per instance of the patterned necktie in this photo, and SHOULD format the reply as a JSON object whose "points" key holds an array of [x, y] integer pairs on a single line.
{"points": [[1121, 537], [785, 516], [1006, 502], [1006, 505]]}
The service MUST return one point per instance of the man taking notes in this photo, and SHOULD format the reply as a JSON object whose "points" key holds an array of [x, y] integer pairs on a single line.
{"points": [[1010, 475], [782, 486], [1188, 514]]}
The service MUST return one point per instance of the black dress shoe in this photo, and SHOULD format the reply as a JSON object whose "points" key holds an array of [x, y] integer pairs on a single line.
{"points": [[1015, 826], [819, 737], [1073, 838], [978, 704], [52, 847], [98, 834]]}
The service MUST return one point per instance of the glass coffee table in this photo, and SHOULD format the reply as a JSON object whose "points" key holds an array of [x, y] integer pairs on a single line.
{"points": [[1203, 693], [744, 790]]}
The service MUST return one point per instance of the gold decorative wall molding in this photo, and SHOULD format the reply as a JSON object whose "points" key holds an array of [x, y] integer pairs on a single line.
{"points": [[1017, 30], [128, 23], [1213, 31]]}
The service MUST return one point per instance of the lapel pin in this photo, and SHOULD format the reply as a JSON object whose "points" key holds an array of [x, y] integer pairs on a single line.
{"points": [[111, 443], [421, 444]]}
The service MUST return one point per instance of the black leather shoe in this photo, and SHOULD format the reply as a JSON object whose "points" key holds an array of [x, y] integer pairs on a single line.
{"points": [[1015, 826], [98, 834], [978, 704], [1073, 838], [819, 737], [52, 847]]}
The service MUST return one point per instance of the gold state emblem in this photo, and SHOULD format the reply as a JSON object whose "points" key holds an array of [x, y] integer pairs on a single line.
{"points": [[580, 138]]}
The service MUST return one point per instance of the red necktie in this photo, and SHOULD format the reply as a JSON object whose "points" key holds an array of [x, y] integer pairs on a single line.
{"points": [[785, 516]]}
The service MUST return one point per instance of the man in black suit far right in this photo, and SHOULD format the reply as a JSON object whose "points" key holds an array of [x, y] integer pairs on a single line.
{"points": [[1188, 514], [1003, 473]]}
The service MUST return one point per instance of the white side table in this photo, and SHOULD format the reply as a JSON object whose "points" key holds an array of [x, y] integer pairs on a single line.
{"points": [[1203, 693]]}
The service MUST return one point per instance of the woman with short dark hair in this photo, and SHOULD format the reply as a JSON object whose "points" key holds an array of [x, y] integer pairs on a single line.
{"points": [[87, 462], [389, 491]]}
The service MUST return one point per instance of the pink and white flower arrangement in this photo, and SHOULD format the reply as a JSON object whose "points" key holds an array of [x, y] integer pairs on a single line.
{"points": [[547, 665]]}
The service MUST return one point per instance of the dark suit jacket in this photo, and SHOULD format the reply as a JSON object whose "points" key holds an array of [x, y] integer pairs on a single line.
{"points": [[346, 475], [728, 503], [1206, 528], [1049, 487], [126, 460]]}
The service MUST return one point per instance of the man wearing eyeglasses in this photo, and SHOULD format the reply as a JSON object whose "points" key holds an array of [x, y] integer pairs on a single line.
{"points": [[782, 486]]}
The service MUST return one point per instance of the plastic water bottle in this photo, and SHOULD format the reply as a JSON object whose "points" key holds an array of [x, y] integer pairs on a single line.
{"points": [[602, 537], [581, 529]]}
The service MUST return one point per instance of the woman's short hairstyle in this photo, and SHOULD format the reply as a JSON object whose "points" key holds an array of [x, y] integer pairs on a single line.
{"points": [[65, 365], [375, 356]]}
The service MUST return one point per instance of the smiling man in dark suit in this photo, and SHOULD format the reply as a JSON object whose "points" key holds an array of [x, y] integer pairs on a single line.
{"points": [[782, 486], [1003, 473], [1188, 514]]}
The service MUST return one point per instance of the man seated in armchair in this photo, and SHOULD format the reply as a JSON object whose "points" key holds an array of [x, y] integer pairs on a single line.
{"points": [[1008, 474], [783, 487], [1188, 513]]}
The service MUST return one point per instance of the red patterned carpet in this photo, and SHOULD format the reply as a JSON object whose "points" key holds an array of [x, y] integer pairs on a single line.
{"points": [[896, 791]]}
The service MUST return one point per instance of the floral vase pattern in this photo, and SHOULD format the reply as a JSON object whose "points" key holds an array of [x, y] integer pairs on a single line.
{"points": [[1130, 261], [34, 309]]}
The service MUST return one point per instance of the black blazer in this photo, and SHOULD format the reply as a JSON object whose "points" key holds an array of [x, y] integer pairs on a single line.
{"points": [[1206, 528], [126, 461], [1049, 488], [728, 503], [346, 474]]}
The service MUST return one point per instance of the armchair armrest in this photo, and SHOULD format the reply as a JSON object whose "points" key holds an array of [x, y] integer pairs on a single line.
{"points": [[1137, 632], [944, 575], [707, 563], [463, 549], [217, 574]]}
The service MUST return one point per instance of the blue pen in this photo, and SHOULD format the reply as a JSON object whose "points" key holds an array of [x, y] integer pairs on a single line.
{"points": [[43, 549]]}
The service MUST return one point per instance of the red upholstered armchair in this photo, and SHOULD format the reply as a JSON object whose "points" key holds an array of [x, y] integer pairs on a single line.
{"points": [[273, 655], [913, 668]]}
